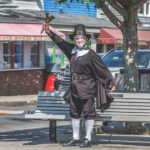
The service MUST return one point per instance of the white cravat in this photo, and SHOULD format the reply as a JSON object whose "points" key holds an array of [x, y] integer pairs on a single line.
{"points": [[82, 52]]}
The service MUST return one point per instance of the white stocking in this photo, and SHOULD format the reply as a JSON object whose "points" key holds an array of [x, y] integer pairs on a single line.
{"points": [[89, 125], [76, 128]]}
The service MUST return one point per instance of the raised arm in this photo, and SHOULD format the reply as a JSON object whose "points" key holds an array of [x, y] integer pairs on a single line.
{"points": [[65, 46]]}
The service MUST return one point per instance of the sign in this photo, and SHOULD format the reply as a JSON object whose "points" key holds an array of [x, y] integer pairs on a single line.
{"points": [[24, 38]]}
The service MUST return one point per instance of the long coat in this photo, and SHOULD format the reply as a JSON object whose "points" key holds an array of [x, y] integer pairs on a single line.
{"points": [[88, 64]]}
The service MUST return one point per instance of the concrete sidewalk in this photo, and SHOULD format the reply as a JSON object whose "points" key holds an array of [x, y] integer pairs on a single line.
{"points": [[19, 100]]}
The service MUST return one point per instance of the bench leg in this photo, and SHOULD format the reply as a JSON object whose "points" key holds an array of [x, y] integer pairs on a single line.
{"points": [[52, 131]]}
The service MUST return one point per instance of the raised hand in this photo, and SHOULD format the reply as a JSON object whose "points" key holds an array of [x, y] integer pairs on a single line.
{"points": [[45, 27], [48, 19]]}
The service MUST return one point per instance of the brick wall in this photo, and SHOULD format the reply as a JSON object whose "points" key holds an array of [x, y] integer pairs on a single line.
{"points": [[22, 82]]}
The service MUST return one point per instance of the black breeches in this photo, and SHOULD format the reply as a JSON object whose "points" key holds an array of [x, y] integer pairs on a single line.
{"points": [[85, 105]]}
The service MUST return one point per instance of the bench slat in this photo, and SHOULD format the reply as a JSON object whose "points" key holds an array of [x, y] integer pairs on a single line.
{"points": [[131, 104], [56, 93], [50, 98], [53, 108], [45, 116], [53, 105], [124, 113], [132, 100], [130, 107], [123, 119], [52, 112], [127, 110], [51, 102]]}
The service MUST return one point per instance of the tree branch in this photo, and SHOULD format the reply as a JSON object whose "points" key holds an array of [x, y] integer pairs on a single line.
{"points": [[112, 17], [117, 7], [124, 3], [138, 4]]}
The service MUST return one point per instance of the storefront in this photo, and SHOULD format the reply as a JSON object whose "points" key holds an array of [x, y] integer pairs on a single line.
{"points": [[112, 38], [24, 53]]}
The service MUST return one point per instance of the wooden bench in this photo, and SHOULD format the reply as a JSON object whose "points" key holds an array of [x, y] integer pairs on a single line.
{"points": [[126, 107]]}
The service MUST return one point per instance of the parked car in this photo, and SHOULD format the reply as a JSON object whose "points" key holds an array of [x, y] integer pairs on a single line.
{"points": [[114, 60], [63, 79], [101, 54]]}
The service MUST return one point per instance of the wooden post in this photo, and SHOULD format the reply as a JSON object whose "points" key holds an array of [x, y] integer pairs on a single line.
{"points": [[52, 131]]}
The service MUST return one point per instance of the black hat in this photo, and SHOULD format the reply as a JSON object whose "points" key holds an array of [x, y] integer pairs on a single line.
{"points": [[79, 29]]}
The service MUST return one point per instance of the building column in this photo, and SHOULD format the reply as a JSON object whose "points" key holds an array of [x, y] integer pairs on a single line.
{"points": [[105, 48], [93, 43], [1, 55]]}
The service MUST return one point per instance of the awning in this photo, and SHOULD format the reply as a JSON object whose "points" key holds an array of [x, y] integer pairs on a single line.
{"points": [[114, 36], [24, 32]]}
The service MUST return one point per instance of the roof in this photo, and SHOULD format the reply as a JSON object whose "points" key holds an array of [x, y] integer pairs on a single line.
{"points": [[20, 16], [19, 31], [113, 35]]}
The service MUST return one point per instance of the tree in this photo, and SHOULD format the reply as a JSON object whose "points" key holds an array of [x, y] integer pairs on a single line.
{"points": [[128, 9]]}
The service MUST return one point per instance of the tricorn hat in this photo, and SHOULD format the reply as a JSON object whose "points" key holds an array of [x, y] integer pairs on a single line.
{"points": [[79, 29]]}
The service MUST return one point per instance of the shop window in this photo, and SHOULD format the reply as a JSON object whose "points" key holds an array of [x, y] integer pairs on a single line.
{"points": [[18, 54], [34, 54], [6, 55]]}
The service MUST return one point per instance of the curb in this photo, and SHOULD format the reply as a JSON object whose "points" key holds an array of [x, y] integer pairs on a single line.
{"points": [[18, 103]]}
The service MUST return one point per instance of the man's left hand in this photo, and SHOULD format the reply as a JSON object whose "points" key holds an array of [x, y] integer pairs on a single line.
{"points": [[112, 88]]}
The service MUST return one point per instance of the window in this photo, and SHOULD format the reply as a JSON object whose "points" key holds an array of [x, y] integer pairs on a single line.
{"points": [[34, 54], [147, 9], [18, 54], [141, 11], [144, 10], [12, 55], [7, 55]]}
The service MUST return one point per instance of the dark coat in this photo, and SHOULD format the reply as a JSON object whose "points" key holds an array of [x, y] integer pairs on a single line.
{"points": [[89, 63]]}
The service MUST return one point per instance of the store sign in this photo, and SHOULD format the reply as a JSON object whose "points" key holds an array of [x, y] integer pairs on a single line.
{"points": [[24, 38], [139, 42]]}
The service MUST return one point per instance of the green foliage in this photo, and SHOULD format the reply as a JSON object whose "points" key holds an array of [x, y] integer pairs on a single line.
{"points": [[98, 3], [62, 1], [135, 1]]}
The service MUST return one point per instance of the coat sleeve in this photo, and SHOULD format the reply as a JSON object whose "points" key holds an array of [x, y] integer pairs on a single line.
{"points": [[101, 72], [65, 46]]}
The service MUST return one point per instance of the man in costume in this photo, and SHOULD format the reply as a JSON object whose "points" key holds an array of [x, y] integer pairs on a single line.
{"points": [[89, 77]]}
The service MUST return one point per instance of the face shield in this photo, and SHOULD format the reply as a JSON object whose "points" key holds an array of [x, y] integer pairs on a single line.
{"points": [[78, 37]]}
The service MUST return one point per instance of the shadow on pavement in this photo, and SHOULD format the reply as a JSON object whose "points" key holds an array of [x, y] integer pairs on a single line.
{"points": [[64, 133], [30, 137]]}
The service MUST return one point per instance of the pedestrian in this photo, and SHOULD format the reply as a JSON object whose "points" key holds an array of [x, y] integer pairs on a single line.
{"points": [[89, 76]]}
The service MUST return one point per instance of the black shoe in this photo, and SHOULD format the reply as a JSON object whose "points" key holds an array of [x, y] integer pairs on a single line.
{"points": [[72, 142], [85, 143]]}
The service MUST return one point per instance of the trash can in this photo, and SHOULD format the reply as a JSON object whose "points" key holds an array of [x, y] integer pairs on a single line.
{"points": [[52, 71]]}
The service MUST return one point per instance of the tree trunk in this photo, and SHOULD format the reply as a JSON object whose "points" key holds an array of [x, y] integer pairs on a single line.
{"points": [[130, 45]]}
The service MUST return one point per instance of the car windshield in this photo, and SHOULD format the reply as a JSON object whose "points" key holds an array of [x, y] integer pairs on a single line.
{"points": [[115, 59]]}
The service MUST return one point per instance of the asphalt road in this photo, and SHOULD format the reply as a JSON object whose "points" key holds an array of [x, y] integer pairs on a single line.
{"points": [[18, 133]]}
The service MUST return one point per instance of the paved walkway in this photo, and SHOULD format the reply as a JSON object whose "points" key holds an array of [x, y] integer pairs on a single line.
{"points": [[20, 100]]}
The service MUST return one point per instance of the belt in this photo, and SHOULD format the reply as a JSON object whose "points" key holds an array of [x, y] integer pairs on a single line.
{"points": [[76, 77]]}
